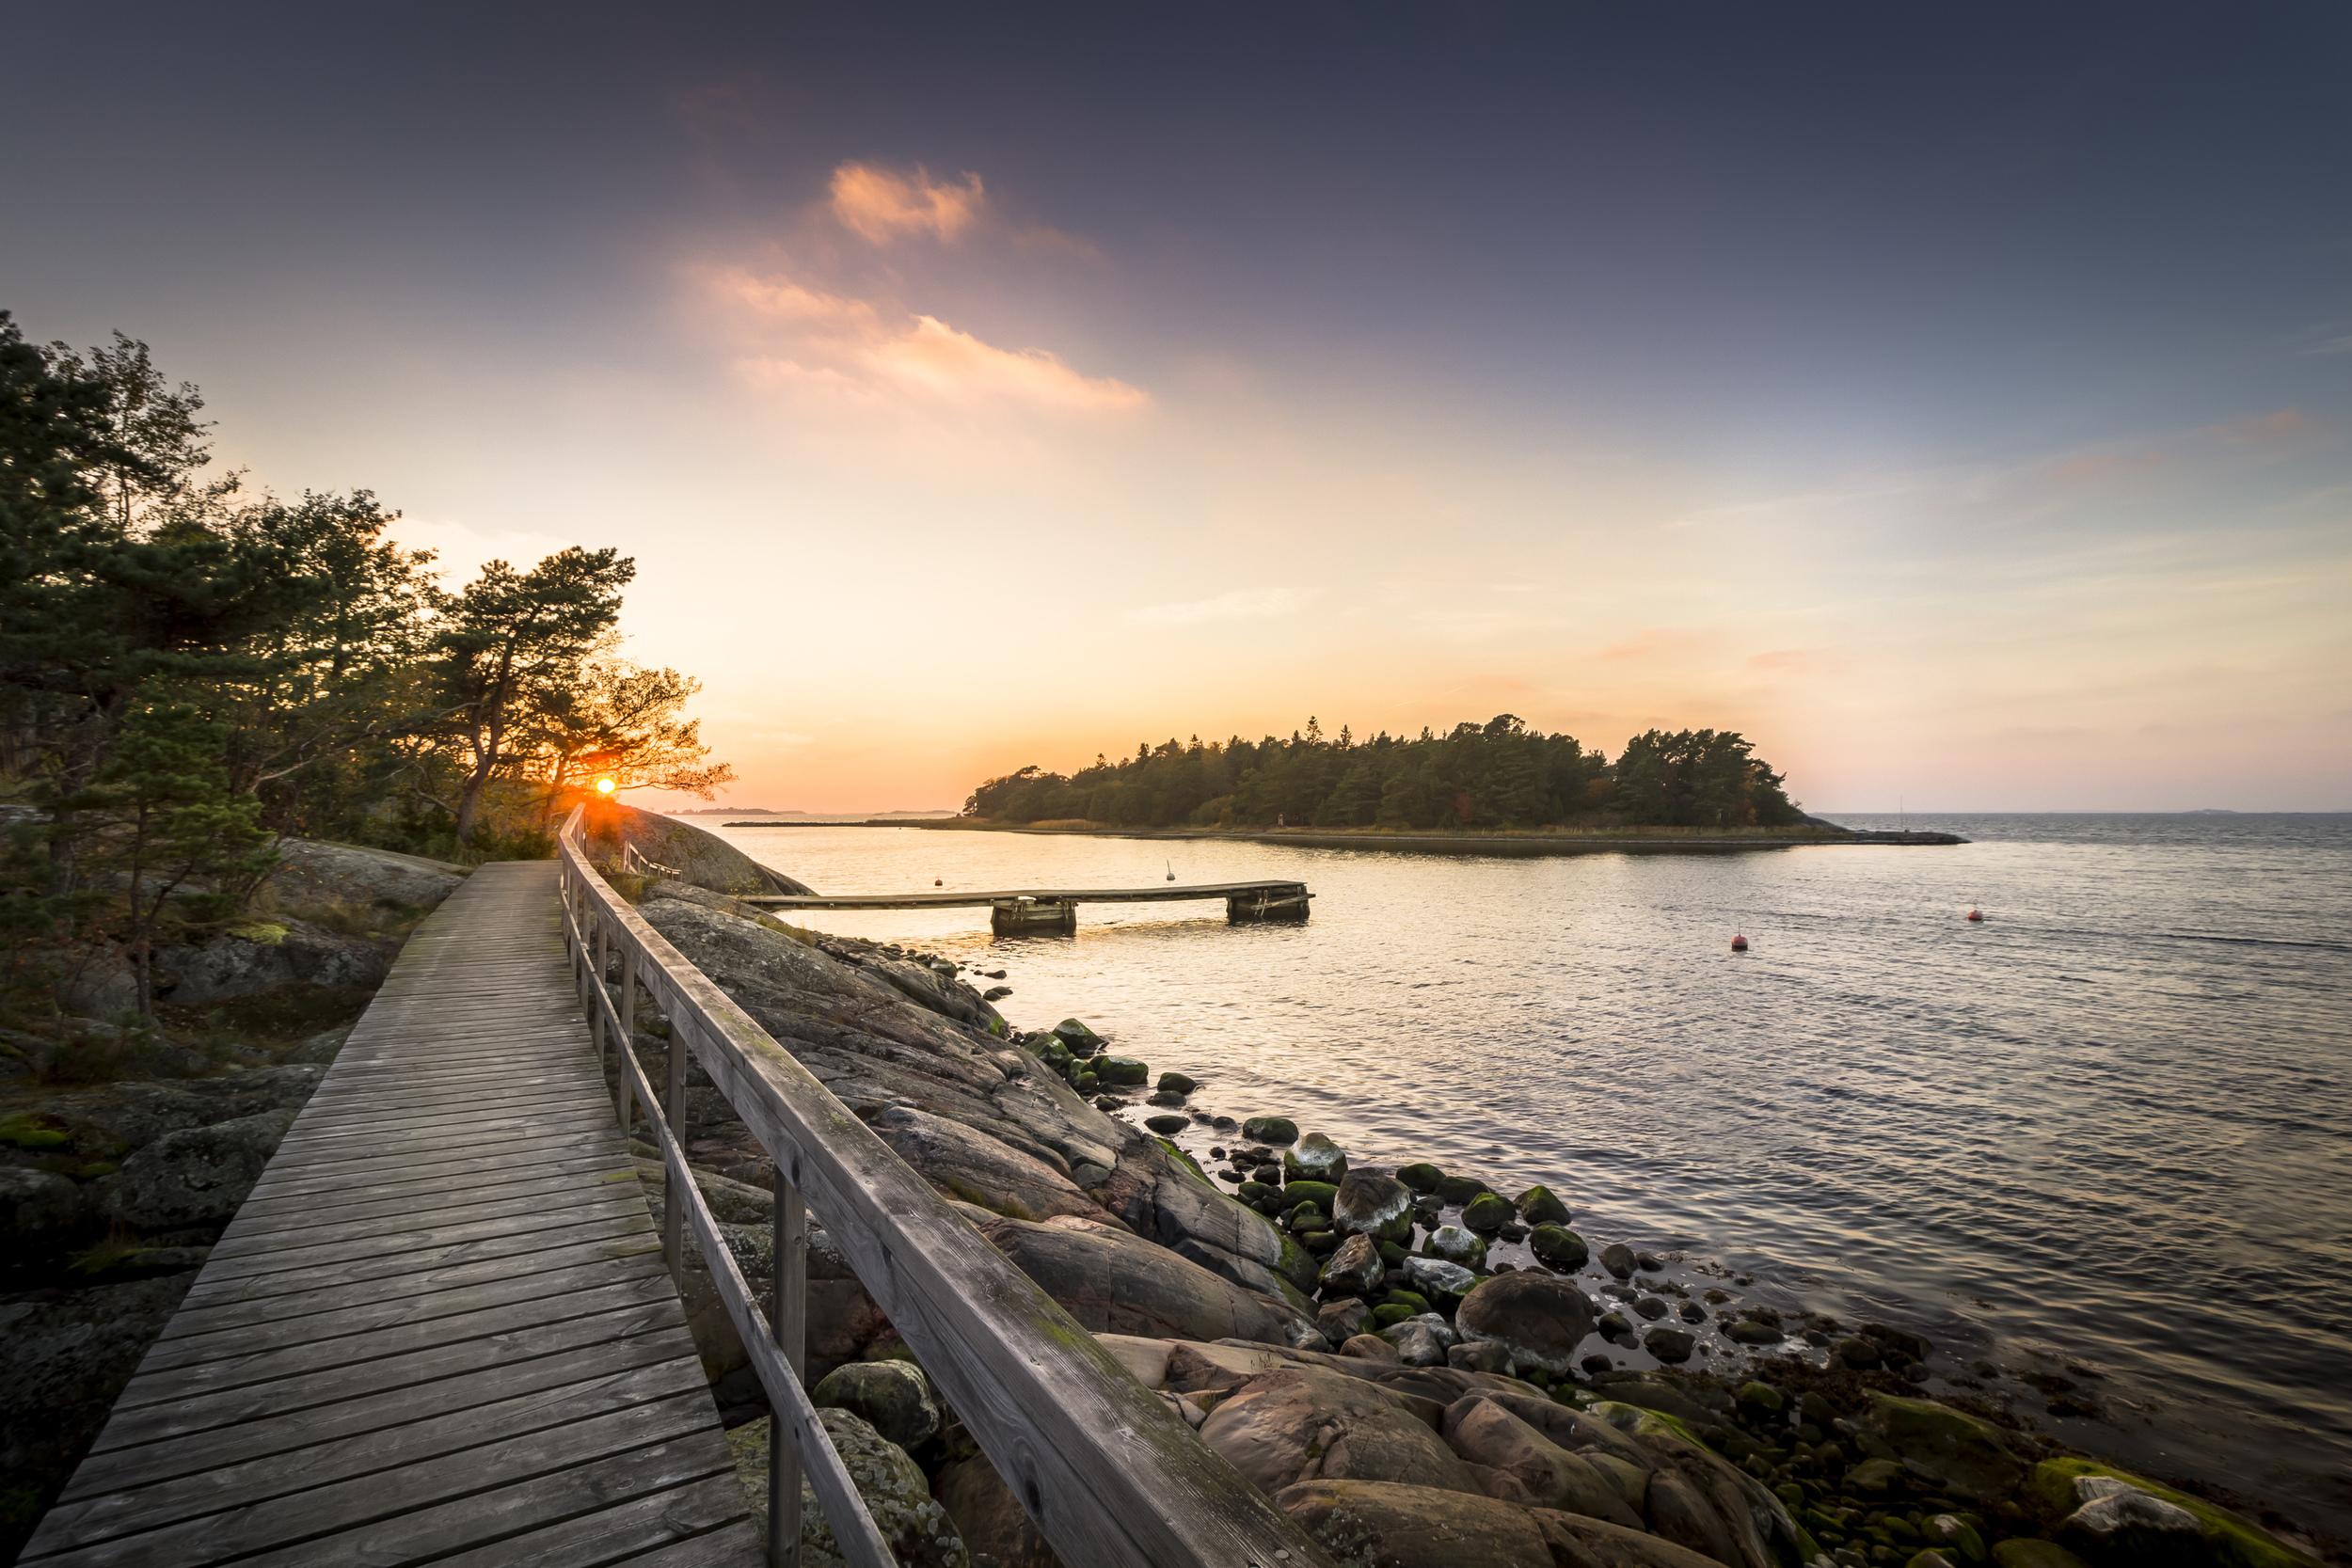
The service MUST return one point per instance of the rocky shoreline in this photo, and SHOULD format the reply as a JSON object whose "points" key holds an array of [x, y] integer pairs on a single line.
{"points": [[1419, 1368], [1423, 1371]]}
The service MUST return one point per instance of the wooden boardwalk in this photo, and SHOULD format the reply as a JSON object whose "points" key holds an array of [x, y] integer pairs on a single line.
{"points": [[441, 1330]]}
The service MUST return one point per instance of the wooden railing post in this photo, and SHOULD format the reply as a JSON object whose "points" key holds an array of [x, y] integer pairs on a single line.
{"points": [[674, 1111], [787, 1310], [595, 977], [628, 1028]]}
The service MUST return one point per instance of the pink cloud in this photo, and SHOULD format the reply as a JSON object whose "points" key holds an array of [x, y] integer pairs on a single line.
{"points": [[815, 340], [882, 206]]}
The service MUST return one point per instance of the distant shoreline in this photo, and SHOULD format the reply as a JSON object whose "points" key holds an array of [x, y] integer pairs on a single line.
{"points": [[1507, 841]]}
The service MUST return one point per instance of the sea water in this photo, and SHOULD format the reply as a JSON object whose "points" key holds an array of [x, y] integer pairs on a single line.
{"points": [[2101, 1136]]}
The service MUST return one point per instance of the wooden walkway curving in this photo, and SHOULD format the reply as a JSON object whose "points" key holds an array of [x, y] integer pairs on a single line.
{"points": [[441, 1330]]}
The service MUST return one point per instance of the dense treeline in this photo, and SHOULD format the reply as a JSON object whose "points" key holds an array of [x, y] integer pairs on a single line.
{"points": [[190, 667], [1499, 774]]}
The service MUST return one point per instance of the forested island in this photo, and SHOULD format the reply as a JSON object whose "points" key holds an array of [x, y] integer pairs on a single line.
{"points": [[1496, 775]]}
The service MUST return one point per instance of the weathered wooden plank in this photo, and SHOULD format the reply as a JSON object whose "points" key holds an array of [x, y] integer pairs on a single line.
{"points": [[624, 1234], [329, 1461], [176, 1369], [467, 1359], [699, 1525], [322, 1160], [610, 1200], [454, 1165], [503, 1092], [397, 1297], [405, 1510], [141, 1464], [449, 1118], [313, 1327], [501, 1178]]}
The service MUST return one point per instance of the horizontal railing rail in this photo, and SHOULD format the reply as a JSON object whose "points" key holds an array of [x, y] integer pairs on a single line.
{"points": [[1110, 1475]]}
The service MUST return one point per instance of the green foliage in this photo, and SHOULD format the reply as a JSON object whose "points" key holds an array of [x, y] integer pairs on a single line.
{"points": [[189, 667], [511, 641], [1698, 778], [1499, 774]]}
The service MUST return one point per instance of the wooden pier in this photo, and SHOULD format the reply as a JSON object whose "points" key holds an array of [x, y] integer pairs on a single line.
{"points": [[441, 1329], [1057, 909]]}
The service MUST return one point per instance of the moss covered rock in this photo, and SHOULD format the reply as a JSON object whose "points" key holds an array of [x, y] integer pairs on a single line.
{"points": [[1314, 1158], [1540, 1206], [1457, 1244], [1422, 1177], [1319, 1194], [1559, 1247], [1485, 1214], [1122, 1071], [1966, 1457], [1270, 1129], [1458, 1189], [2053, 1490]]}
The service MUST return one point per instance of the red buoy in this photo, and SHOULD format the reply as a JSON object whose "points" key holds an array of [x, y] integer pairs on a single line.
{"points": [[936, 882], [1974, 915], [1738, 945]]}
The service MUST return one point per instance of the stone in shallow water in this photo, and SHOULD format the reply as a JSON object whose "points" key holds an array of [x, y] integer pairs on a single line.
{"points": [[1540, 1318], [1314, 1158], [1422, 1177], [1270, 1129], [1166, 1126], [1378, 1206], [1485, 1214], [1539, 1205], [1559, 1247], [1617, 1258], [1669, 1344], [1459, 1189], [1458, 1245]]}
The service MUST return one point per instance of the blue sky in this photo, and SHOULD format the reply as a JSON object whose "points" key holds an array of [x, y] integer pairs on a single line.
{"points": [[1954, 400]]}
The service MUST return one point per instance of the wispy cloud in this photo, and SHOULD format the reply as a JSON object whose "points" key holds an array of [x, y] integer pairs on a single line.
{"points": [[882, 206], [1243, 603], [814, 339]]}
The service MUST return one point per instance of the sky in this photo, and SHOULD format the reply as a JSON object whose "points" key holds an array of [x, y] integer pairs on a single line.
{"points": [[1957, 401]]}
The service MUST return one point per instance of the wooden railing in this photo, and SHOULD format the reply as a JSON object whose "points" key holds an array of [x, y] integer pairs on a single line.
{"points": [[1109, 1473]]}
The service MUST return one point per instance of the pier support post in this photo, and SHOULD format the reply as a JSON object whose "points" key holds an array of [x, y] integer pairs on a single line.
{"points": [[1012, 915], [1269, 904]]}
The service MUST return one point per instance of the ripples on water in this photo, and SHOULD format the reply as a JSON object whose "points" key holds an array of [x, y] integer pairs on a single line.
{"points": [[2107, 1127]]}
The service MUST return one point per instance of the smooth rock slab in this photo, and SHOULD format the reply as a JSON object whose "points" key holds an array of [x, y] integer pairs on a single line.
{"points": [[1399, 1526], [1310, 1423]]}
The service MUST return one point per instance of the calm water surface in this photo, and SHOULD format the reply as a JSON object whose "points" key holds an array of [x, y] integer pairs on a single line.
{"points": [[2106, 1129]]}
